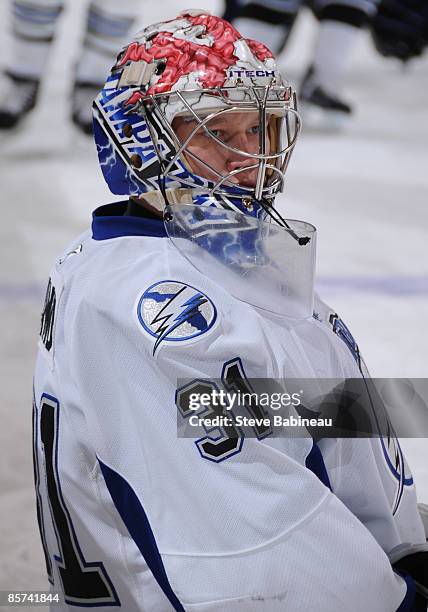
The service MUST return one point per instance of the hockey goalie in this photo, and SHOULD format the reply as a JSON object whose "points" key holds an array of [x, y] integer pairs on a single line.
{"points": [[196, 276]]}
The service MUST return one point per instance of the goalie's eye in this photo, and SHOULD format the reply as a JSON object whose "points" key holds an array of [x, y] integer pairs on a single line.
{"points": [[222, 135], [255, 129], [215, 132]]}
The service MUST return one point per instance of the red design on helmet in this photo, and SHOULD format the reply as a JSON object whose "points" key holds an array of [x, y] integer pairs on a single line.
{"points": [[259, 49], [184, 57]]}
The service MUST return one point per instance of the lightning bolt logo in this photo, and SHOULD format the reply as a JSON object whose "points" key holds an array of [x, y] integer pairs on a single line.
{"points": [[173, 311]]}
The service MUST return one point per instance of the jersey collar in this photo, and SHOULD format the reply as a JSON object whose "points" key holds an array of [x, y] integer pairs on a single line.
{"points": [[108, 221]]}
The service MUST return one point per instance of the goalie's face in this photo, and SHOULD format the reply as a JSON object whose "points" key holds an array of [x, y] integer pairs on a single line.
{"points": [[220, 149]]}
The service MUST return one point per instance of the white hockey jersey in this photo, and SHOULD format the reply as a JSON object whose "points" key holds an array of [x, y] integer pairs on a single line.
{"points": [[133, 516]]}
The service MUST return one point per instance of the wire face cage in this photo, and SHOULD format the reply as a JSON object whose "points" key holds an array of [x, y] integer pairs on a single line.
{"points": [[273, 107]]}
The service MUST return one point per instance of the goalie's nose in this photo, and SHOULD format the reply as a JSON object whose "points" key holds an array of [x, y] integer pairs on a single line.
{"points": [[242, 163], [247, 174]]}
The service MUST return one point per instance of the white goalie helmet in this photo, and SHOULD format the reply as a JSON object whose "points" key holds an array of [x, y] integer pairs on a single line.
{"points": [[199, 68]]}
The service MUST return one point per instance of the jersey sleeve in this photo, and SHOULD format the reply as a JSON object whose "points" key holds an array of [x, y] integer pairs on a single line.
{"points": [[371, 475], [221, 523]]}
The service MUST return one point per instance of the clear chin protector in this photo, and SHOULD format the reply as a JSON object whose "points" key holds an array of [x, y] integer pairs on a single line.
{"points": [[253, 128], [258, 262]]}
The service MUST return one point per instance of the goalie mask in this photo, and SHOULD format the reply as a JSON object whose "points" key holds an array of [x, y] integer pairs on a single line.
{"points": [[178, 83]]}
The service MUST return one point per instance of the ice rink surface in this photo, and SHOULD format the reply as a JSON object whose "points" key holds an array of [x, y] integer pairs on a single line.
{"points": [[365, 190]]}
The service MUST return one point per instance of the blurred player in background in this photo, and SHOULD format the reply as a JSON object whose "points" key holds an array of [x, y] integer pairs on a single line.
{"points": [[398, 28], [340, 22], [34, 24]]}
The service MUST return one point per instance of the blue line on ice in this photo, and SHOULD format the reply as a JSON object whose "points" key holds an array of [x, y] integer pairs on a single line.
{"points": [[381, 285]]}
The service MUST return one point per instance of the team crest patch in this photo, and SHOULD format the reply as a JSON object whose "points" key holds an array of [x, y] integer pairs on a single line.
{"points": [[171, 311]]}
